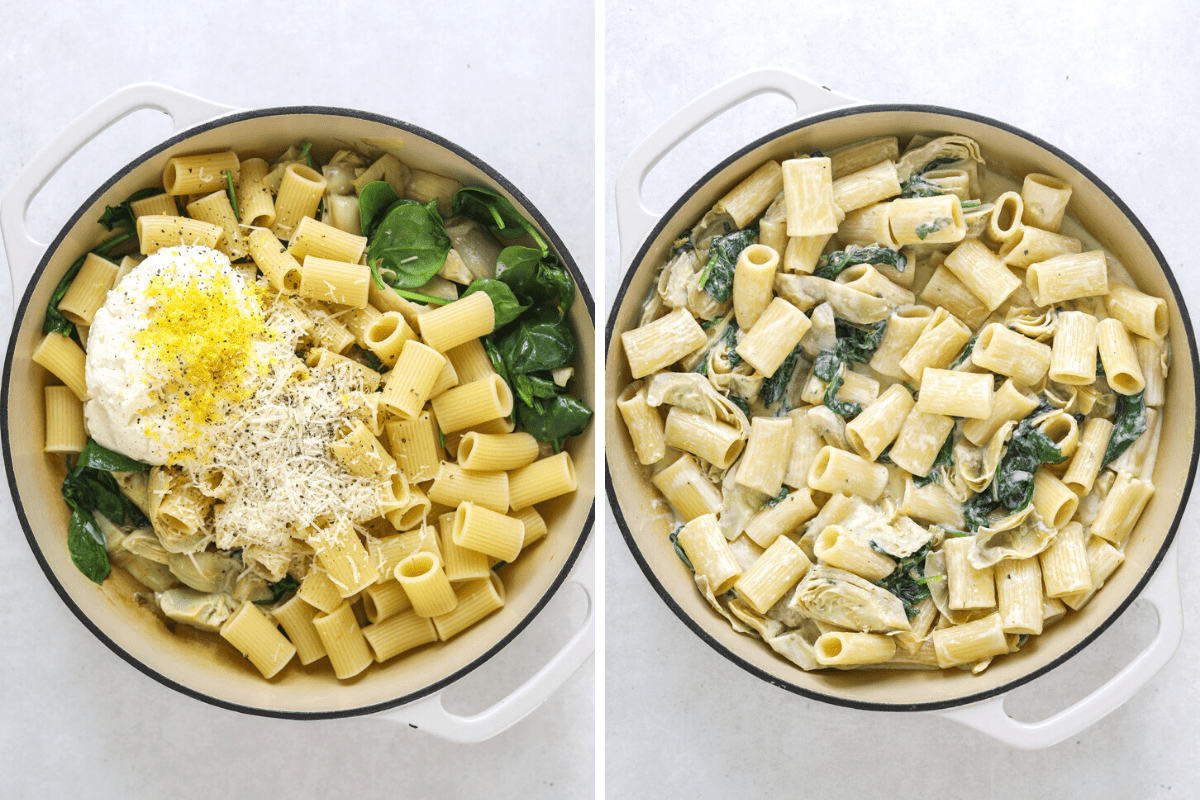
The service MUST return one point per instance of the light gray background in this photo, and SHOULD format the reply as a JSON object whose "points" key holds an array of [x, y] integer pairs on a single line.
{"points": [[514, 87], [1116, 86]]}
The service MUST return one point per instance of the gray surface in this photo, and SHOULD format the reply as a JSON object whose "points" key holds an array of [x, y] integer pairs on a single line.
{"points": [[75, 720], [1116, 88]]}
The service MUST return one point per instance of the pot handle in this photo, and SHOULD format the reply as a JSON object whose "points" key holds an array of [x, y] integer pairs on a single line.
{"points": [[634, 220], [430, 715], [989, 716], [23, 251]]}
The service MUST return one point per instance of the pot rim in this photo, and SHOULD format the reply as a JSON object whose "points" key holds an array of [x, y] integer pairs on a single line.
{"points": [[23, 307], [974, 697]]}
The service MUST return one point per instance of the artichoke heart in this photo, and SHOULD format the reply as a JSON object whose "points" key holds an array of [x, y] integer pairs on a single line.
{"points": [[1019, 535], [841, 598]]}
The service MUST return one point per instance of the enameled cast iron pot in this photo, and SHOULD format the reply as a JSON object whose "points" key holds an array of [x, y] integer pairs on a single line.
{"points": [[201, 667], [826, 120]]}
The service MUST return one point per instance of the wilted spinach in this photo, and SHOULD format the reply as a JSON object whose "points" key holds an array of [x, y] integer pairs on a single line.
{"points": [[90, 487], [278, 589], [854, 343], [717, 278], [1129, 423], [1012, 486], [121, 216], [773, 387], [908, 581], [833, 264], [945, 458], [916, 186]]}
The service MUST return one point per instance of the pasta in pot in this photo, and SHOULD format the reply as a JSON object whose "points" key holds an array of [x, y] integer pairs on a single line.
{"points": [[946, 406], [266, 430]]}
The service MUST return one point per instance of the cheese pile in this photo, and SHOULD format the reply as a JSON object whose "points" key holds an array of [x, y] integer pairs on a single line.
{"points": [[191, 366]]}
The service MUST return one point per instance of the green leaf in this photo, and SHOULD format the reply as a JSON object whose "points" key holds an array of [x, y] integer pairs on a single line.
{"points": [[723, 251], [121, 216], [85, 543], [278, 589], [907, 581], [916, 186], [555, 419], [496, 213], [540, 340], [1129, 423], [410, 242], [945, 458], [833, 264], [505, 303], [535, 278], [773, 387], [95, 456], [373, 202]]}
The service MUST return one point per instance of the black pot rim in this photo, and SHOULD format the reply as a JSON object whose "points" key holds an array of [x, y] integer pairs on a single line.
{"points": [[974, 697], [22, 308]]}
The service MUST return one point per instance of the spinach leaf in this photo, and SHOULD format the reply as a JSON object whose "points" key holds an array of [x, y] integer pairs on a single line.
{"points": [[496, 213], [121, 216], [679, 550], [1012, 487], [85, 543], [977, 509], [773, 387], [729, 338], [966, 352], [410, 242], [828, 367], [278, 589], [717, 278], [945, 458], [539, 340], [96, 456], [1129, 422], [774, 501], [908, 581], [1028, 449], [916, 186], [833, 264], [554, 419], [741, 403], [503, 300], [929, 228], [858, 342], [536, 277], [373, 202], [529, 386]]}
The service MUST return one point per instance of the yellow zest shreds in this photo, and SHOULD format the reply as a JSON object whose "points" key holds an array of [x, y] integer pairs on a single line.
{"points": [[201, 336]]}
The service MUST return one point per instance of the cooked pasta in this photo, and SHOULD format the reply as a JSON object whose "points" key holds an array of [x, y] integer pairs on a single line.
{"points": [[288, 463], [927, 437]]}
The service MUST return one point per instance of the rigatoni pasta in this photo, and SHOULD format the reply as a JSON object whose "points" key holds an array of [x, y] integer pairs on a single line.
{"points": [[972, 397], [291, 468]]}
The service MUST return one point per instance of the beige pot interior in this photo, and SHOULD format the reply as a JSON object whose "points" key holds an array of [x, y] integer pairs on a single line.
{"points": [[203, 665], [647, 521]]}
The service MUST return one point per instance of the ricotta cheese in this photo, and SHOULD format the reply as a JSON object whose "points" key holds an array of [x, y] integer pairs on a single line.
{"points": [[179, 341]]}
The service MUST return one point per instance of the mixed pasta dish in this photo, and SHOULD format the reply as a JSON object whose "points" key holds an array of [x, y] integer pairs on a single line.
{"points": [[312, 405], [903, 416]]}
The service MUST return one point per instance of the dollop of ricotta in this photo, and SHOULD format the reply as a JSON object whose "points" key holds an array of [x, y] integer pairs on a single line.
{"points": [[179, 342]]}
